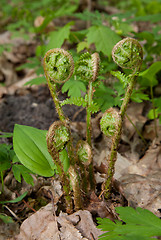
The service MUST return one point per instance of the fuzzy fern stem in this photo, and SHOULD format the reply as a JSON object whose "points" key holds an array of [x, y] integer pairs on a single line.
{"points": [[88, 133], [58, 68], [127, 53], [56, 132], [88, 117], [115, 141]]}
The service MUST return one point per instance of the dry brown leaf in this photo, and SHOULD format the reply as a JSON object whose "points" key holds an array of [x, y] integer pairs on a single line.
{"points": [[68, 230], [44, 225], [39, 226], [144, 192], [149, 163], [83, 221]]}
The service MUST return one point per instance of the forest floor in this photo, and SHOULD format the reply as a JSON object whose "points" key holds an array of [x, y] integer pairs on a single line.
{"points": [[136, 183]]}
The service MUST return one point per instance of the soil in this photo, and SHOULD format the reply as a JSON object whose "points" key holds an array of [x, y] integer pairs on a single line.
{"points": [[33, 107]]}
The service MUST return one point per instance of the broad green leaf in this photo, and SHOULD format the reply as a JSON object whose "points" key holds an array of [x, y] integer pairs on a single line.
{"points": [[74, 88], [57, 38], [18, 199], [31, 149], [103, 38]]}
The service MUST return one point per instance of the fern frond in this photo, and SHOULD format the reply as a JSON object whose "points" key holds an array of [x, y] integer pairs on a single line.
{"points": [[121, 77], [78, 101], [94, 108]]}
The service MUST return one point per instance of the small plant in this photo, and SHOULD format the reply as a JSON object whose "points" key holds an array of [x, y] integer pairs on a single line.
{"points": [[74, 162], [138, 223], [9, 162], [127, 54]]}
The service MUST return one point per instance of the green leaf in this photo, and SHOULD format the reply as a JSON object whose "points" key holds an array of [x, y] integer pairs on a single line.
{"points": [[103, 38], [149, 78], [81, 46], [36, 81], [18, 199], [157, 103], [6, 135], [57, 38], [31, 149], [6, 219], [138, 95], [74, 88], [103, 96], [5, 161], [19, 170], [140, 224], [152, 114]]}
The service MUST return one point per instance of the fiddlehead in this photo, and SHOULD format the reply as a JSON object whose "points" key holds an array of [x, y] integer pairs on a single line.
{"points": [[128, 53], [87, 66], [57, 138], [109, 122], [84, 153], [58, 65]]}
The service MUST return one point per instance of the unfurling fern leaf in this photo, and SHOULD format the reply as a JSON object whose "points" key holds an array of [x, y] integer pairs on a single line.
{"points": [[94, 108], [78, 101], [121, 77]]}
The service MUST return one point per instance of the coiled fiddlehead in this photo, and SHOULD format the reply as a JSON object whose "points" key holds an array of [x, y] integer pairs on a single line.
{"points": [[87, 66], [57, 138], [58, 65], [84, 152], [127, 53], [58, 68], [109, 122]]}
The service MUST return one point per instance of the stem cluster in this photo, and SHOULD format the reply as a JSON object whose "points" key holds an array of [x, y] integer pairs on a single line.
{"points": [[78, 181]]}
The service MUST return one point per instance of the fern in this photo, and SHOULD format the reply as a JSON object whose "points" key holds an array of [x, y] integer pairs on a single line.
{"points": [[121, 77], [79, 101], [141, 224]]}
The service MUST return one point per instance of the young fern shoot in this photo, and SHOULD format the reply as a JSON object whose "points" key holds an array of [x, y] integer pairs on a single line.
{"points": [[58, 68], [127, 54], [87, 68]]}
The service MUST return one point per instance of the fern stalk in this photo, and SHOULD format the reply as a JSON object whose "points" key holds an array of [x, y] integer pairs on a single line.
{"points": [[128, 54], [58, 68], [88, 132]]}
